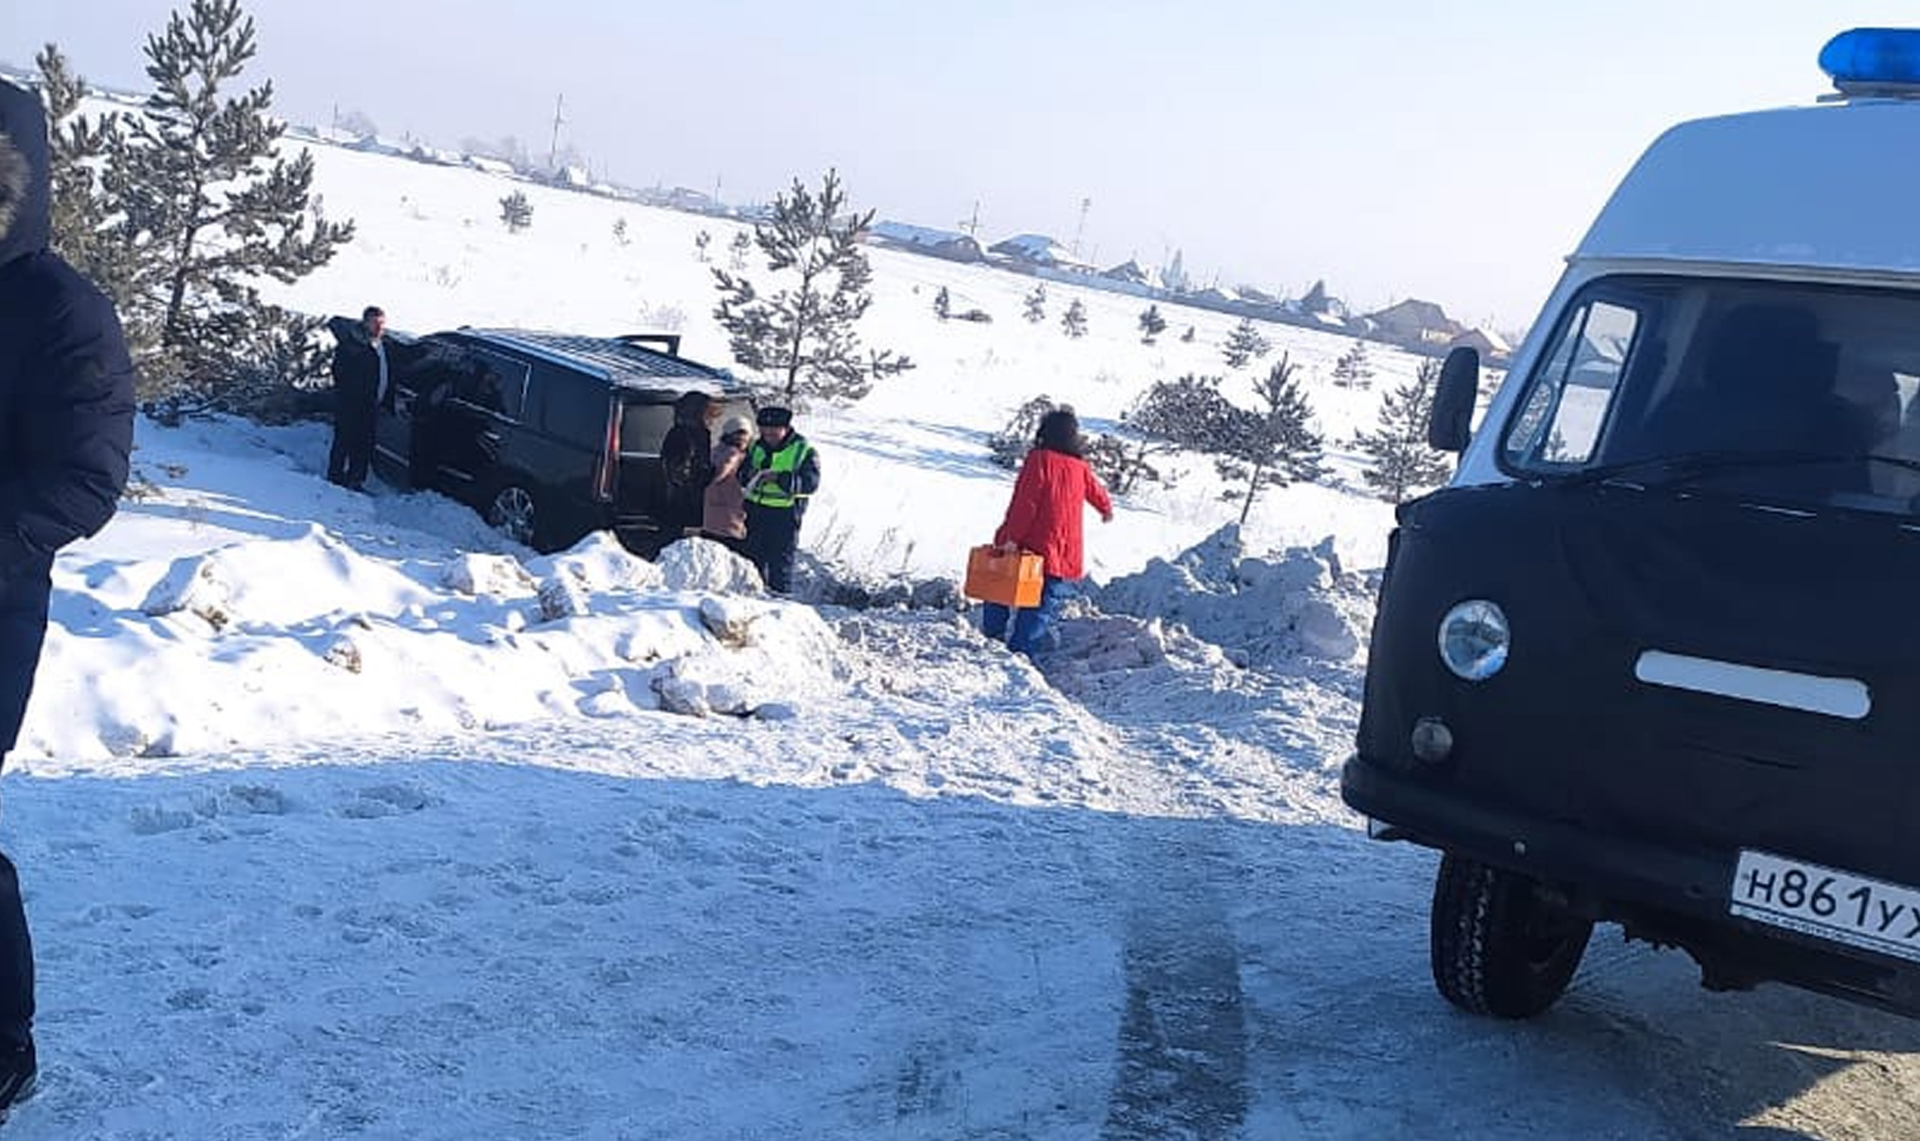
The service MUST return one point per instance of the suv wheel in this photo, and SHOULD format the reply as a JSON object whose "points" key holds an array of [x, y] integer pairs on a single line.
{"points": [[1499, 945], [512, 512]]}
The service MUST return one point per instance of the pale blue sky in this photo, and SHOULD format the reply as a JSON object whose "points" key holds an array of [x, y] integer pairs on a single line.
{"points": [[1393, 149]]}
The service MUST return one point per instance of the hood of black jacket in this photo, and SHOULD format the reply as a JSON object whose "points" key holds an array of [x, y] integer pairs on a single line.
{"points": [[26, 211]]}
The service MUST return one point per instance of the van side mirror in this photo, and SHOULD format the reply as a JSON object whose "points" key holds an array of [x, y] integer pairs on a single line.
{"points": [[1452, 418]]}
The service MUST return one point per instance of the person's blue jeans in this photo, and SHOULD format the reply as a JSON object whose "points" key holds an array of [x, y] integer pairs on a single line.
{"points": [[1030, 624]]}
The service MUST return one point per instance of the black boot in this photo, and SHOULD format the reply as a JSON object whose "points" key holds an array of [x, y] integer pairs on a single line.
{"points": [[18, 1069]]}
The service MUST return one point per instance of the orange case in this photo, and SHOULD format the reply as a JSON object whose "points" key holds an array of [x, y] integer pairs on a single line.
{"points": [[1011, 580]]}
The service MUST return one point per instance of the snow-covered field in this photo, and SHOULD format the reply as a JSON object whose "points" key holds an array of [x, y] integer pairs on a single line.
{"points": [[341, 817]]}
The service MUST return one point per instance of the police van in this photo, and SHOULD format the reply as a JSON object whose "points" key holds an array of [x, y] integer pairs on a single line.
{"points": [[1653, 656]]}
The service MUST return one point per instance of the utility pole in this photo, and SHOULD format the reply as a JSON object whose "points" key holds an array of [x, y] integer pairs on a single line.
{"points": [[553, 145], [1086, 204], [973, 227]]}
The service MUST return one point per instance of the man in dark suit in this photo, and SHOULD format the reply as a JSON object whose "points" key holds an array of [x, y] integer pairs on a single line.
{"points": [[362, 382]]}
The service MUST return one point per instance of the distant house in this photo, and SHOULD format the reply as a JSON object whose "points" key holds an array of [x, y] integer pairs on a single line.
{"points": [[1490, 345], [489, 165], [339, 136], [1414, 322], [1213, 295], [693, 201], [1133, 273], [947, 244], [376, 145], [435, 155], [1038, 250]]}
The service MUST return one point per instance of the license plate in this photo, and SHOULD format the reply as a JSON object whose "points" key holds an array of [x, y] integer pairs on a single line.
{"points": [[1828, 904]]}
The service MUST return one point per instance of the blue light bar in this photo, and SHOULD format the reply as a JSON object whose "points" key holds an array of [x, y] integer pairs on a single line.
{"points": [[1869, 60]]}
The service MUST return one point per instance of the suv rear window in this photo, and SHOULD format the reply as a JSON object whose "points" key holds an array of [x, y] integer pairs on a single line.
{"points": [[643, 427]]}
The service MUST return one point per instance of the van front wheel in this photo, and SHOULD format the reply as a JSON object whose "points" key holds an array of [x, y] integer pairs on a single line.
{"points": [[1500, 946]]}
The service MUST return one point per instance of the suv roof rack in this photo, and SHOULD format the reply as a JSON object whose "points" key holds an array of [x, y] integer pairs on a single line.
{"points": [[669, 342], [625, 359]]}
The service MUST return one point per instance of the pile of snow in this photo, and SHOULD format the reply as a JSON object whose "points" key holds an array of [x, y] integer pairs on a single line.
{"points": [[599, 563], [473, 574], [1298, 603], [275, 636], [702, 564]]}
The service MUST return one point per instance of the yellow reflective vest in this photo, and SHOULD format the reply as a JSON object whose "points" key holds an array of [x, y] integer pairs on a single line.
{"points": [[771, 491]]}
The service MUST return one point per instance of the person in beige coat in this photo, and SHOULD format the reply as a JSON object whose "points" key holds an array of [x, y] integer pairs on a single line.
{"points": [[725, 516]]}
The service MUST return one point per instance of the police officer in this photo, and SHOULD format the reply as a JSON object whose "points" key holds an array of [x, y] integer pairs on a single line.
{"points": [[781, 471]]}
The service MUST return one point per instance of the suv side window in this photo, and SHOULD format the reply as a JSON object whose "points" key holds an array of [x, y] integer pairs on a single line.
{"points": [[494, 383], [573, 407], [1566, 408]]}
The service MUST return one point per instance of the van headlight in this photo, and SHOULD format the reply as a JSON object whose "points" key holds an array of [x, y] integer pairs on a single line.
{"points": [[1474, 640]]}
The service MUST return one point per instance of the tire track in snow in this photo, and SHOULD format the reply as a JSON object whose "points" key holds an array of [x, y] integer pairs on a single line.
{"points": [[1181, 1069]]}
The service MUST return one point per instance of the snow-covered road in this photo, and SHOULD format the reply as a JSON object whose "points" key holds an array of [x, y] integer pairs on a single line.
{"points": [[540, 935]]}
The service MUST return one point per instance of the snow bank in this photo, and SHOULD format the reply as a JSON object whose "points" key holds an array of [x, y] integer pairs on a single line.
{"points": [[297, 635], [1297, 603]]}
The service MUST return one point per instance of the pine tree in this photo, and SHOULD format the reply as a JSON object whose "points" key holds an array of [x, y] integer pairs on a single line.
{"points": [[701, 241], [1037, 304], [805, 335], [517, 213], [1275, 445], [740, 247], [1074, 321], [942, 304], [1115, 464], [1188, 413], [1010, 444], [1400, 460], [1353, 368], [620, 231], [77, 144], [203, 206], [1152, 324], [1245, 344]]}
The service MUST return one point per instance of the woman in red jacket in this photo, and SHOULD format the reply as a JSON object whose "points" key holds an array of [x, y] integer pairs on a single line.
{"points": [[1044, 518]]}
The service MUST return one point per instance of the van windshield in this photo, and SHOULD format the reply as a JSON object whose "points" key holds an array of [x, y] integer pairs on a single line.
{"points": [[1790, 393]]}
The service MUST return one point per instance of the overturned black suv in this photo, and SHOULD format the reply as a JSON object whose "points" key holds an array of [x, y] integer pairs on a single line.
{"points": [[549, 436]]}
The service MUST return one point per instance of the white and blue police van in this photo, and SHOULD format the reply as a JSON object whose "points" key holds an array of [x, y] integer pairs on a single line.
{"points": [[1652, 657]]}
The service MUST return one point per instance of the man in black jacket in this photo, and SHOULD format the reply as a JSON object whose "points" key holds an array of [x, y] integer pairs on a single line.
{"points": [[686, 464], [66, 429], [361, 383]]}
